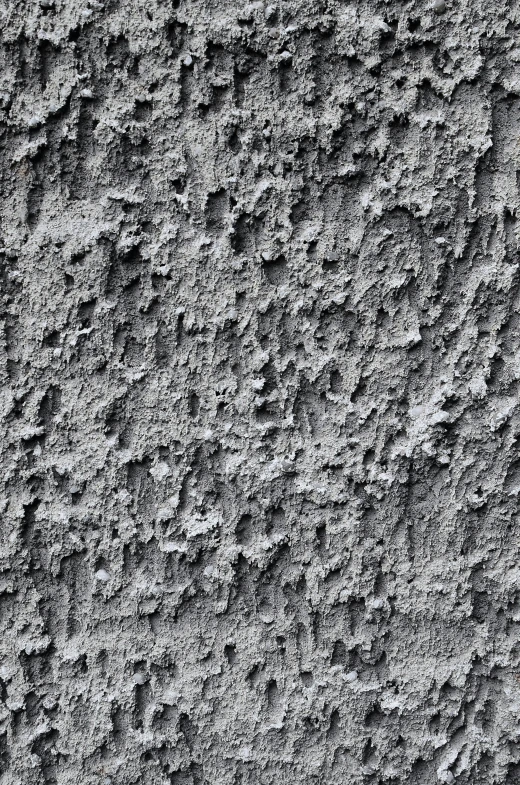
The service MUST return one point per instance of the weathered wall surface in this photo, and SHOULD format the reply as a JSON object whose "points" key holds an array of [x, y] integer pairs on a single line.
{"points": [[260, 356]]}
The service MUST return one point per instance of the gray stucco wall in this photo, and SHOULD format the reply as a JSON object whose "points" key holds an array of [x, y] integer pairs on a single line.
{"points": [[260, 357]]}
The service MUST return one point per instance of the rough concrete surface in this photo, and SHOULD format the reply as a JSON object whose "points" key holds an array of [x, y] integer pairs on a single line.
{"points": [[260, 357]]}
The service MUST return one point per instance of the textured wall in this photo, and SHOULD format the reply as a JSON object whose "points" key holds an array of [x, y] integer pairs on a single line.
{"points": [[260, 357]]}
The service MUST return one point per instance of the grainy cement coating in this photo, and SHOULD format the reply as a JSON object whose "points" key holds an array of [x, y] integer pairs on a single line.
{"points": [[260, 365]]}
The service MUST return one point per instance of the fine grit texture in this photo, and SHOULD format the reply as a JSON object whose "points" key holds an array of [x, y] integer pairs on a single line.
{"points": [[260, 363]]}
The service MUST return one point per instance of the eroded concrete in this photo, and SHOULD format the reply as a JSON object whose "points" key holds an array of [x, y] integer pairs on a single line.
{"points": [[260, 363]]}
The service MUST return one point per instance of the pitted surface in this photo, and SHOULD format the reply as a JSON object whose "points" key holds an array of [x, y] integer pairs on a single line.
{"points": [[260, 362]]}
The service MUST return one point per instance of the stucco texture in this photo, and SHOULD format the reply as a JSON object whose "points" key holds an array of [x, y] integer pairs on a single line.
{"points": [[260, 363]]}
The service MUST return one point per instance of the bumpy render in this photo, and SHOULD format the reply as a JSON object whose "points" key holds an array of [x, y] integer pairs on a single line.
{"points": [[260, 367]]}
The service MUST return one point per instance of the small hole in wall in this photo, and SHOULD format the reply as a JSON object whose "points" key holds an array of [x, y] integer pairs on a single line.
{"points": [[275, 269], [52, 339], [368, 458], [312, 249], [331, 263], [47, 6], [321, 535], [194, 404], [280, 640], [230, 652]]}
